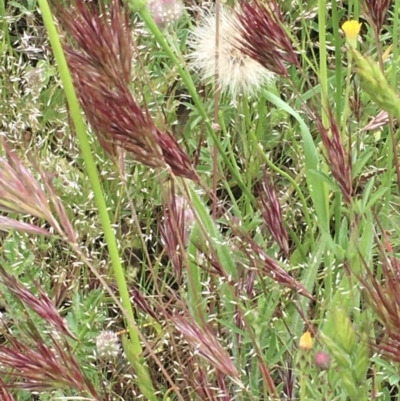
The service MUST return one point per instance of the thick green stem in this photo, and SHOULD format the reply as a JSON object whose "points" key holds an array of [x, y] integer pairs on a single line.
{"points": [[81, 132]]}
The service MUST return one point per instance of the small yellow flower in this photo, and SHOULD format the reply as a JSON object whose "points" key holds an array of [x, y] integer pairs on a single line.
{"points": [[306, 341], [351, 29]]}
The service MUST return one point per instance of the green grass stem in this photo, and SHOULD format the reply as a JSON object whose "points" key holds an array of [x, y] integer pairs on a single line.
{"points": [[81, 132]]}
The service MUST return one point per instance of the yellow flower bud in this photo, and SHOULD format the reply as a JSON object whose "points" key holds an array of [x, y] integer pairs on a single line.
{"points": [[306, 341], [351, 29]]}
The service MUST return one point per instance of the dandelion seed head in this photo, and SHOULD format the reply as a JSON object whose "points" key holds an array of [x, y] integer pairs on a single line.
{"points": [[237, 73]]}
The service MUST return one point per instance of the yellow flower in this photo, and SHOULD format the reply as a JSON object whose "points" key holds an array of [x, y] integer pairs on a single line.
{"points": [[306, 341], [351, 29]]}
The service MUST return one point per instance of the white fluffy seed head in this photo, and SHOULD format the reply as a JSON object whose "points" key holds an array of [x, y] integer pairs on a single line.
{"points": [[237, 73]]}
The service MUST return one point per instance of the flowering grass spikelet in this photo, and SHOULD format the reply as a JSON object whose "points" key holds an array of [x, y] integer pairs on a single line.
{"points": [[336, 156], [101, 67], [375, 12], [237, 72], [264, 38], [375, 84], [272, 213]]}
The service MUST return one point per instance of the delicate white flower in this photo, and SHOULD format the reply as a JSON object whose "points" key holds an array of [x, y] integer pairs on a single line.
{"points": [[237, 73], [165, 12], [107, 345]]}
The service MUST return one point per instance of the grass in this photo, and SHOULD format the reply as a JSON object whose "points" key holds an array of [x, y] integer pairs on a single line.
{"points": [[164, 242]]}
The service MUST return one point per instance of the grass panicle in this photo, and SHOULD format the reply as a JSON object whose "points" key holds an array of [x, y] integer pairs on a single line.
{"points": [[33, 362], [376, 12], [210, 391], [264, 38], [272, 213], [21, 193], [337, 157], [38, 367], [175, 230], [383, 296], [204, 341], [40, 304], [101, 68], [255, 257], [4, 393]]}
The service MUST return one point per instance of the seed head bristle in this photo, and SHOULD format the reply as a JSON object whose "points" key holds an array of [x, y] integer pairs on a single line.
{"points": [[237, 72], [263, 37]]}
